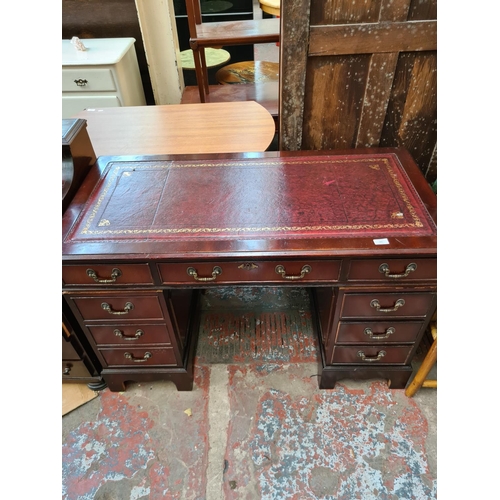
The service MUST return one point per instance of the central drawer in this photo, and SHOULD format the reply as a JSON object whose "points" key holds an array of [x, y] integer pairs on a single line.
{"points": [[119, 307], [318, 271]]}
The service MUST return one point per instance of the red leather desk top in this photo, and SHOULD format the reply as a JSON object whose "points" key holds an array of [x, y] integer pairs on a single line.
{"points": [[313, 197]]}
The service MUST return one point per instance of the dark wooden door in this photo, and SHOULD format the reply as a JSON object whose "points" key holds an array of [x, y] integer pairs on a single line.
{"points": [[360, 73]]}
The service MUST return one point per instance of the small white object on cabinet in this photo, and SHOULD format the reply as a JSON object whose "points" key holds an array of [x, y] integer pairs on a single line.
{"points": [[104, 75]]}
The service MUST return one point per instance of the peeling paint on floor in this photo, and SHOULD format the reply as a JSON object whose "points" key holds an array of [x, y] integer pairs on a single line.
{"points": [[281, 437], [141, 445], [338, 445]]}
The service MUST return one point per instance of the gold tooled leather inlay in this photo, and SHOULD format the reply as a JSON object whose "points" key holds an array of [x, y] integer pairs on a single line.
{"points": [[373, 163]]}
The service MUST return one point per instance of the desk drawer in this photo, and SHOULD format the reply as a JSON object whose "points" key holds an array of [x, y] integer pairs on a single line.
{"points": [[130, 335], [71, 369], [378, 332], [371, 355], [73, 104], [107, 274], [384, 305], [248, 272], [119, 307], [139, 357], [87, 80], [68, 351], [393, 270]]}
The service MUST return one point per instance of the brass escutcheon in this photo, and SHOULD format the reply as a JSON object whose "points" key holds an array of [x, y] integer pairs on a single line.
{"points": [[247, 266]]}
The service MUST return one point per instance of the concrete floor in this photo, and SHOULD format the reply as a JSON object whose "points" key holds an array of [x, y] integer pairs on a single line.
{"points": [[258, 429], [252, 432]]}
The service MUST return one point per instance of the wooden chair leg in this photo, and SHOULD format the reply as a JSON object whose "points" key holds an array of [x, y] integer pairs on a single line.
{"points": [[420, 377], [199, 74]]}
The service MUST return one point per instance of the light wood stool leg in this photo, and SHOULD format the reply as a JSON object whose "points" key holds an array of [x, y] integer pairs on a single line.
{"points": [[419, 379], [199, 73], [204, 70]]}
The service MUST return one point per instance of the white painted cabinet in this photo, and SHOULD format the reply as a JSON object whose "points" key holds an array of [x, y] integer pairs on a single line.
{"points": [[103, 76]]}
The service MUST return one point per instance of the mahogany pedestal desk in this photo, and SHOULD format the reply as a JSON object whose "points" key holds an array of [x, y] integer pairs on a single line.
{"points": [[144, 235]]}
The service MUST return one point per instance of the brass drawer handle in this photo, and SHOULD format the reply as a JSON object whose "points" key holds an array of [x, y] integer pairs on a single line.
{"points": [[147, 355], [370, 359], [386, 335], [81, 82], [215, 272], [384, 269], [128, 307], [281, 270], [376, 304], [115, 273], [119, 333]]}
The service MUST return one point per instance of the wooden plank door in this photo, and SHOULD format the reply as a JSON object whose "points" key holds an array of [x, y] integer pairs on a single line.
{"points": [[360, 73]]}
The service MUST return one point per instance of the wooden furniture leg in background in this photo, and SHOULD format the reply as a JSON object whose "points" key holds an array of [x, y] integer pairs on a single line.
{"points": [[200, 60], [429, 361]]}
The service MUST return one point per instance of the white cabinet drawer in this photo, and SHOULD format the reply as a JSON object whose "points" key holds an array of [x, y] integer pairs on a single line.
{"points": [[74, 104], [91, 79]]}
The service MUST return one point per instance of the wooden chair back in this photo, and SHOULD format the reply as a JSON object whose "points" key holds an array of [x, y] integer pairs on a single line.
{"points": [[224, 33]]}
